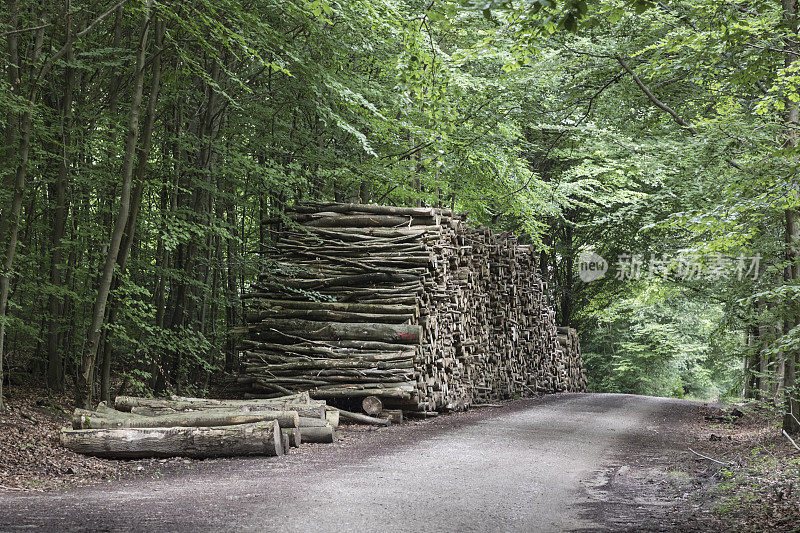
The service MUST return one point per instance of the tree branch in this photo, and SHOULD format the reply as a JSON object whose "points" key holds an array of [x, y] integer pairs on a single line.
{"points": [[664, 107], [658, 103], [48, 66]]}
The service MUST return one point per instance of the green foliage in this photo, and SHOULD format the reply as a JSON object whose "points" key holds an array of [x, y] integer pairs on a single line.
{"points": [[519, 113]]}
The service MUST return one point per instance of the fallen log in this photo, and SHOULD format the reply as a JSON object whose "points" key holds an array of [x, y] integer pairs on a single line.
{"points": [[320, 435], [370, 221], [323, 315], [305, 422], [261, 438], [264, 303], [351, 392], [206, 418], [315, 207], [364, 419], [312, 408]]}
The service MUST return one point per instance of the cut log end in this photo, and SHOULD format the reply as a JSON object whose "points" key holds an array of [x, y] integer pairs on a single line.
{"points": [[372, 405]]}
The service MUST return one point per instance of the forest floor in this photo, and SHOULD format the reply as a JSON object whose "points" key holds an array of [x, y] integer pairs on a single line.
{"points": [[704, 467], [31, 457], [582, 462], [758, 486]]}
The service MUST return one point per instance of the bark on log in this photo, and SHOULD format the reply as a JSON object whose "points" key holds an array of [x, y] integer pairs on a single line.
{"points": [[262, 438], [375, 209], [317, 331], [319, 435], [331, 306], [313, 408], [322, 315], [370, 221], [364, 419], [305, 422], [206, 418], [340, 393]]}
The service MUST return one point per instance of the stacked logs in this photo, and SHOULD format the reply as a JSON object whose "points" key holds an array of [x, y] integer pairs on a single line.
{"points": [[406, 304], [195, 427], [573, 362]]}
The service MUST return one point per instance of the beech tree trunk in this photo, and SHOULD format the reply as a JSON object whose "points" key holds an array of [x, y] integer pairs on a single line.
{"points": [[792, 233], [282, 329], [55, 360], [83, 390], [10, 221], [310, 409], [262, 438], [295, 437], [136, 201]]}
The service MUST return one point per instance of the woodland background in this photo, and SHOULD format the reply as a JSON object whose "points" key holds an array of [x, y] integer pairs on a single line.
{"points": [[143, 144]]}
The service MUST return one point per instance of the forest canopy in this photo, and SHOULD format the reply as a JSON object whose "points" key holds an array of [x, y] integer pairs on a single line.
{"points": [[145, 144]]}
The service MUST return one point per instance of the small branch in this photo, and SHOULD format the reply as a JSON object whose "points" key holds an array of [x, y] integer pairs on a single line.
{"points": [[23, 30], [790, 413], [709, 458], [791, 440]]}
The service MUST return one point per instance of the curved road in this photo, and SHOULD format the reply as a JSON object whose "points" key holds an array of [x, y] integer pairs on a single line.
{"points": [[528, 466]]}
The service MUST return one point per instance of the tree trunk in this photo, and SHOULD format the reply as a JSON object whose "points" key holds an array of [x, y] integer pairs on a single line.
{"points": [[83, 392], [310, 409], [10, 223], [392, 333], [792, 231], [231, 286], [136, 201], [55, 361], [364, 419], [295, 437]]}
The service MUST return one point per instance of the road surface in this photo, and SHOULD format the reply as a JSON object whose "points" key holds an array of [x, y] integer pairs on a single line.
{"points": [[533, 465]]}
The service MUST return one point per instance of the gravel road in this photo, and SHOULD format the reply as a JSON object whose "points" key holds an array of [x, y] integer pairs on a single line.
{"points": [[531, 465]]}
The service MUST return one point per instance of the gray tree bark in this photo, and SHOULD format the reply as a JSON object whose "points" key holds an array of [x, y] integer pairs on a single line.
{"points": [[263, 438], [83, 391]]}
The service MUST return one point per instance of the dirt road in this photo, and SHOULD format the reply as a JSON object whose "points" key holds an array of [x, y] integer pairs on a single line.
{"points": [[560, 463]]}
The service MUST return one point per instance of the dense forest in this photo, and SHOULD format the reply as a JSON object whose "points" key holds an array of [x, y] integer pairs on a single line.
{"points": [[147, 147]]}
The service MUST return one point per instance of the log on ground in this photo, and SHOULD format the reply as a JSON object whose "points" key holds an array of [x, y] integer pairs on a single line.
{"points": [[261, 438]]}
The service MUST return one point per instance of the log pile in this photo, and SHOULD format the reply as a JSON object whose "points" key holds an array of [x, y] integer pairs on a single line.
{"points": [[409, 305], [194, 427], [573, 362]]}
